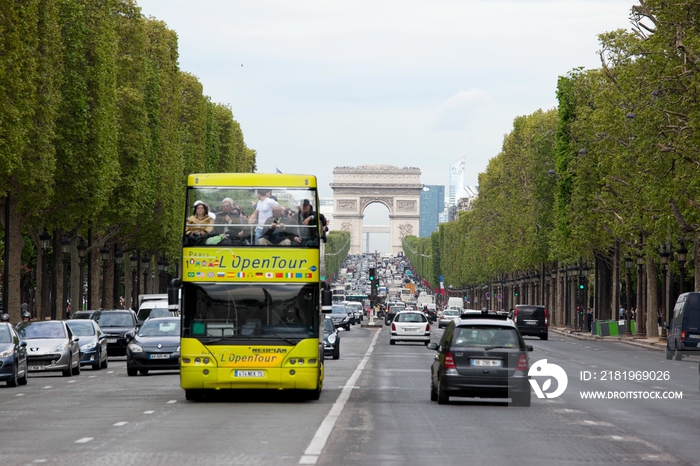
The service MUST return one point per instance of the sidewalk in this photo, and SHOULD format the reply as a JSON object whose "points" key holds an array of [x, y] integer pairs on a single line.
{"points": [[647, 343]]}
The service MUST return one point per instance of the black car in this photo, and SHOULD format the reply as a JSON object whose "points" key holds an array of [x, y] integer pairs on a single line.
{"points": [[93, 343], [340, 317], [115, 323], [532, 320], [481, 356], [331, 339], [156, 346], [684, 329], [13, 357], [83, 314]]}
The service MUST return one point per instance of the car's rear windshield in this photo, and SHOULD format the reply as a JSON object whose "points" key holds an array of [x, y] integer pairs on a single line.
{"points": [[451, 313], [465, 336], [339, 310], [531, 312], [411, 317]]}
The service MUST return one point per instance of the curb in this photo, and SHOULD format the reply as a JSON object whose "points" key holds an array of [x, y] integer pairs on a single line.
{"points": [[639, 343]]}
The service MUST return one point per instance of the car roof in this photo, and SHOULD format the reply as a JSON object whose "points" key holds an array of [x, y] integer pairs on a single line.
{"points": [[492, 320]]}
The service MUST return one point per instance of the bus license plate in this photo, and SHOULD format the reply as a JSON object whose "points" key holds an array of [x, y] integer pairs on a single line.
{"points": [[486, 362], [250, 373], [159, 356]]}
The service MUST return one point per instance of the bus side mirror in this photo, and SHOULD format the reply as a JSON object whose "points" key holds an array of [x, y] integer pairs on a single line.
{"points": [[326, 301]]}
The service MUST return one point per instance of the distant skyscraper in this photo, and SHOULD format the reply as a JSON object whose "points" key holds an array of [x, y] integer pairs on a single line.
{"points": [[456, 181], [432, 203]]}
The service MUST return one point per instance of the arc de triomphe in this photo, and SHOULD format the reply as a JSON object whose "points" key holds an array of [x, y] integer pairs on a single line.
{"points": [[354, 188]]}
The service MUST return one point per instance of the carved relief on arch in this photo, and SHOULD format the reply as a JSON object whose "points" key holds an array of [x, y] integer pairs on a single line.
{"points": [[347, 204], [405, 230], [346, 226], [387, 201], [406, 206]]}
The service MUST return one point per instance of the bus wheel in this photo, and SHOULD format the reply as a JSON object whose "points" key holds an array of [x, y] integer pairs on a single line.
{"points": [[193, 395]]}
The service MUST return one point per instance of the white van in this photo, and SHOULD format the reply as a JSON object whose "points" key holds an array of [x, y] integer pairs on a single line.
{"points": [[455, 303]]}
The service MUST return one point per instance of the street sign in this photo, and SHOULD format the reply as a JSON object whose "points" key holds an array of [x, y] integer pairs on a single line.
{"points": [[469, 300], [499, 297], [488, 295]]}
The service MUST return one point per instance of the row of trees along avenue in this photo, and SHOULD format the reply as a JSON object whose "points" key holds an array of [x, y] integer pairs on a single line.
{"points": [[610, 177], [99, 128]]}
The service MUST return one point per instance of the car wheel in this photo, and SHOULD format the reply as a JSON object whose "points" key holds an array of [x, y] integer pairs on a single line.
{"points": [[347, 327], [336, 352], [98, 365], [669, 353], [521, 400], [13, 381], [25, 377], [105, 363], [392, 342], [76, 369], [442, 397], [544, 337], [427, 342], [68, 371], [433, 392], [143, 371], [132, 372], [678, 356]]}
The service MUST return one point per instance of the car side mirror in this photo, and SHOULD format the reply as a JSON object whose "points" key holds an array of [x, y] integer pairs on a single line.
{"points": [[529, 347], [22, 344], [74, 338], [130, 335], [433, 346]]}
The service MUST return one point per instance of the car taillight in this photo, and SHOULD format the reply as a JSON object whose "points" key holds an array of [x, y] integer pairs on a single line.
{"points": [[393, 327], [546, 317], [449, 361], [683, 335], [515, 315], [522, 363], [427, 327]]}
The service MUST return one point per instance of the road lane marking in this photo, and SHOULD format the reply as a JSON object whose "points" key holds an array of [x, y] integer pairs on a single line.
{"points": [[48, 386], [616, 437], [313, 451], [84, 440], [148, 412], [119, 424], [41, 460], [171, 402], [19, 394], [71, 381]]}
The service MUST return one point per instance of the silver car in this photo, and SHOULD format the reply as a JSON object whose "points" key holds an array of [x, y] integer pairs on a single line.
{"points": [[51, 346]]}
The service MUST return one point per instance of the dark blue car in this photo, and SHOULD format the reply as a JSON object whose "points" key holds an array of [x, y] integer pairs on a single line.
{"points": [[13, 357]]}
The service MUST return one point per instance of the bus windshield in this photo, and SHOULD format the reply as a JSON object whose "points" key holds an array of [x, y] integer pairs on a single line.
{"points": [[228, 313], [251, 216]]}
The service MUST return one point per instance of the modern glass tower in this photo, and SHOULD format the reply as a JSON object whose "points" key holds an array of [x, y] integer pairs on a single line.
{"points": [[432, 203]]}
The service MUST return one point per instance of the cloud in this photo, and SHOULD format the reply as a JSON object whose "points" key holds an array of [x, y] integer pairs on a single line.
{"points": [[461, 109]]}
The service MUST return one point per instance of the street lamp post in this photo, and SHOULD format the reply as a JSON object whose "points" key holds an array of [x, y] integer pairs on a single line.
{"points": [[134, 262], [161, 270], [535, 285], [82, 250], [104, 255], [664, 254], [629, 263], [166, 273], [585, 270], [641, 327], [682, 256], [116, 295], [65, 248], [145, 265], [45, 242]]}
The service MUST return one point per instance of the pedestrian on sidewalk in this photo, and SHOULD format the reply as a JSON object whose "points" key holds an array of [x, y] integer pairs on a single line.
{"points": [[589, 320]]}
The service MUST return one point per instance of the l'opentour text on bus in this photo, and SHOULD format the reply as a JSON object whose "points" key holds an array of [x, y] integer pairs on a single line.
{"points": [[251, 285]]}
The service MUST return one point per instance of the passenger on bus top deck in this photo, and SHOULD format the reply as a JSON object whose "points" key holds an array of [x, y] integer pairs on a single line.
{"points": [[263, 211], [200, 223]]}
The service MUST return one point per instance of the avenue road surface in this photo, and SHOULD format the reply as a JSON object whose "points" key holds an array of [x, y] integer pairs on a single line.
{"points": [[375, 409]]}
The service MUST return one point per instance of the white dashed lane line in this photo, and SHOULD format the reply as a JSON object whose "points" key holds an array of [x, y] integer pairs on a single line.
{"points": [[148, 412], [84, 440], [119, 424]]}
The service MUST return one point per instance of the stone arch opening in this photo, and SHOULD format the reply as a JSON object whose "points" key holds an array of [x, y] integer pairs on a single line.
{"points": [[398, 189]]}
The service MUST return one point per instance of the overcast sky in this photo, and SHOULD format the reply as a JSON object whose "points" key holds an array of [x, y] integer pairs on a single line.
{"points": [[317, 84]]}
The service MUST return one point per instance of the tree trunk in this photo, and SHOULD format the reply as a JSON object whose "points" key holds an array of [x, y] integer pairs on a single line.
{"points": [[16, 243], [652, 299], [603, 287]]}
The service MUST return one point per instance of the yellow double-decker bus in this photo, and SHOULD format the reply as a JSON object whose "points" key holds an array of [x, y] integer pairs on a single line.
{"points": [[251, 290]]}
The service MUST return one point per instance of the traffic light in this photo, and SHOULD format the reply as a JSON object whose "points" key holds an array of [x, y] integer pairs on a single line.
{"points": [[372, 273], [581, 285]]}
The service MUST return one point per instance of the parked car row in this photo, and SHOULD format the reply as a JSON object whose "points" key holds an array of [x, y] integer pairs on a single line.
{"points": [[88, 339]]}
